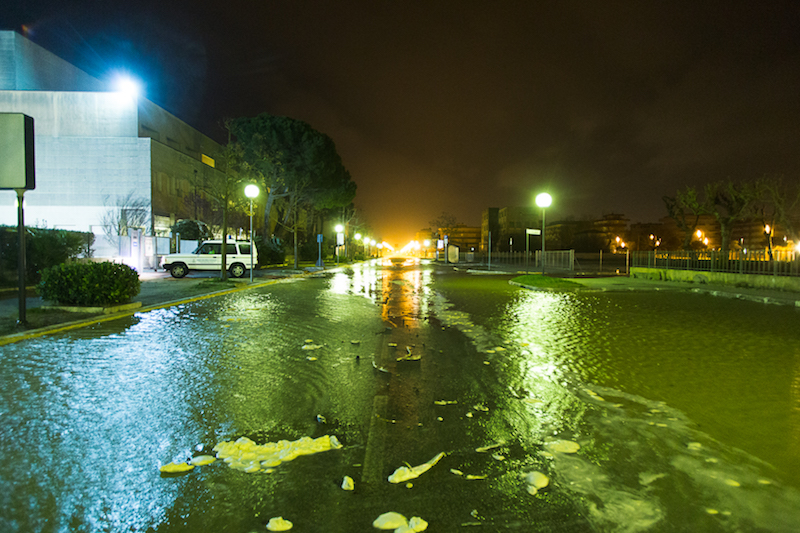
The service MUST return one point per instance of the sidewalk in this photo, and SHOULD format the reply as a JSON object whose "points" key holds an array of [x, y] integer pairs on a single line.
{"points": [[625, 283], [157, 288]]}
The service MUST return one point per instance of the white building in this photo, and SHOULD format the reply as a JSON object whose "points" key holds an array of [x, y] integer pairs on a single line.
{"points": [[95, 147]]}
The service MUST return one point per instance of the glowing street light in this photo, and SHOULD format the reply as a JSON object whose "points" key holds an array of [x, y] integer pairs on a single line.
{"points": [[543, 200], [251, 191], [339, 239]]}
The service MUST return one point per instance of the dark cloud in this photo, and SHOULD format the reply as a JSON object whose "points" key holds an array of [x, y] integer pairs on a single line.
{"points": [[458, 106]]}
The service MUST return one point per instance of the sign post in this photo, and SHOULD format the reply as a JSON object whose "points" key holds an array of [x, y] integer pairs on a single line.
{"points": [[319, 246], [17, 174], [528, 233]]}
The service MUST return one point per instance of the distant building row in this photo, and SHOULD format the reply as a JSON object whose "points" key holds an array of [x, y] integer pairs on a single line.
{"points": [[504, 230]]}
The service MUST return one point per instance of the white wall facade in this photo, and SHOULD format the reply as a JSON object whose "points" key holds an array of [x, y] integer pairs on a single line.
{"points": [[93, 147]]}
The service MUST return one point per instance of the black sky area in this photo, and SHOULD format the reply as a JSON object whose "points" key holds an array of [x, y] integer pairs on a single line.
{"points": [[461, 105]]}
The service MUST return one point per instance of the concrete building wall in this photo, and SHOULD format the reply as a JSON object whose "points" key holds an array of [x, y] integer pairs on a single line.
{"points": [[74, 114], [166, 128], [78, 179], [94, 147], [26, 66], [174, 195]]}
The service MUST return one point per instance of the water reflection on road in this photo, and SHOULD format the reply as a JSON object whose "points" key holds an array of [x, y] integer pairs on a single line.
{"points": [[401, 362]]}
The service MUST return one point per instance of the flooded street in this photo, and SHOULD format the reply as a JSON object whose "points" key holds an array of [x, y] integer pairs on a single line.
{"points": [[639, 411]]}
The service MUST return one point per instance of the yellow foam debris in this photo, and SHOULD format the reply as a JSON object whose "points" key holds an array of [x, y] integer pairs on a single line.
{"points": [[277, 523], [404, 473], [563, 446], [483, 449], [174, 468], [390, 520], [201, 460], [536, 481], [399, 523], [348, 483], [732, 483], [244, 454]]}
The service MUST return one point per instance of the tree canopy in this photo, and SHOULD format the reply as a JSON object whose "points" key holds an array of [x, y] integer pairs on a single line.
{"points": [[294, 162]]}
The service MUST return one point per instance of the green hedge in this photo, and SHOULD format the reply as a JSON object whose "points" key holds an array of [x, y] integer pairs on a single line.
{"points": [[89, 284], [45, 247]]}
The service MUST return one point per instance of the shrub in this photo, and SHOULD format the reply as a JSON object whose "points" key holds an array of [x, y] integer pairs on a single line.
{"points": [[45, 247], [89, 284], [193, 230], [271, 252]]}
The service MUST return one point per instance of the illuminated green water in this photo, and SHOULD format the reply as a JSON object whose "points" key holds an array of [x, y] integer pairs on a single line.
{"points": [[685, 408]]}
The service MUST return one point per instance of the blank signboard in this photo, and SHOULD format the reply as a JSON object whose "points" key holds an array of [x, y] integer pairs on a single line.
{"points": [[16, 151]]}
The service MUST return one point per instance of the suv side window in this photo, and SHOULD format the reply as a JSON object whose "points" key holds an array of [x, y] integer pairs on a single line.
{"points": [[230, 249], [244, 249], [208, 249]]}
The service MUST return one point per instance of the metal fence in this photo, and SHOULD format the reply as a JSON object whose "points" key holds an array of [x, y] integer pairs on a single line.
{"points": [[554, 259], [779, 263]]}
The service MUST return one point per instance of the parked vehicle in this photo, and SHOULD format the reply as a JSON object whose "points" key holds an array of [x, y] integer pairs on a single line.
{"points": [[208, 256]]}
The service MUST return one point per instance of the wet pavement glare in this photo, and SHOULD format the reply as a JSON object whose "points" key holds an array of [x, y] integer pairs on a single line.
{"points": [[555, 411]]}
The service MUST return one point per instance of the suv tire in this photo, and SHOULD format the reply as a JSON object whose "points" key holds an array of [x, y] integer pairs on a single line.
{"points": [[178, 270], [237, 270]]}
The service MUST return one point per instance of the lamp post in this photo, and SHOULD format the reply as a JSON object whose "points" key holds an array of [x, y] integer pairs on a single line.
{"points": [[251, 191], [543, 200], [339, 240]]}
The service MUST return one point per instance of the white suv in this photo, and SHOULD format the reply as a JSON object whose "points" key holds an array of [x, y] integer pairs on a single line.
{"points": [[208, 256]]}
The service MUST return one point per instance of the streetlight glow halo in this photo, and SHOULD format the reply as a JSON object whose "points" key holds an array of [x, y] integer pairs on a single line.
{"points": [[251, 191], [544, 200]]}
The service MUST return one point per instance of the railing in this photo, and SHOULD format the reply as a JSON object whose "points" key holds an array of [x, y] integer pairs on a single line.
{"points": [[782, 263], [554, 259]]}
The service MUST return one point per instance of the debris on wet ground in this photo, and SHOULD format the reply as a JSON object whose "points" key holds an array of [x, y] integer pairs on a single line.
{"points": [[311, 346], [380, 368], [484, 449], [278, 523], [404, 473], [399, 523], [409, 356], [175, 468], [562, 446], [536, 481], [348, 483], [445, 402], [247, 456]]}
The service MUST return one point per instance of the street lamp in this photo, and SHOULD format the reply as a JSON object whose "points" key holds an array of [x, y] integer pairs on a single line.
{"points": [[251, 191], [339, 240], [543, 200]]}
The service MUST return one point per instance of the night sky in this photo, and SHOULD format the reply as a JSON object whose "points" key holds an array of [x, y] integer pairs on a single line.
{"points": [[461, 105]]}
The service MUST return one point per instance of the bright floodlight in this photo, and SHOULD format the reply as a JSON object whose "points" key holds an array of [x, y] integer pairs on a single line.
{"points": [[544, 200], [358, 236], [127, 85], [339, 228], [251, 191]]}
